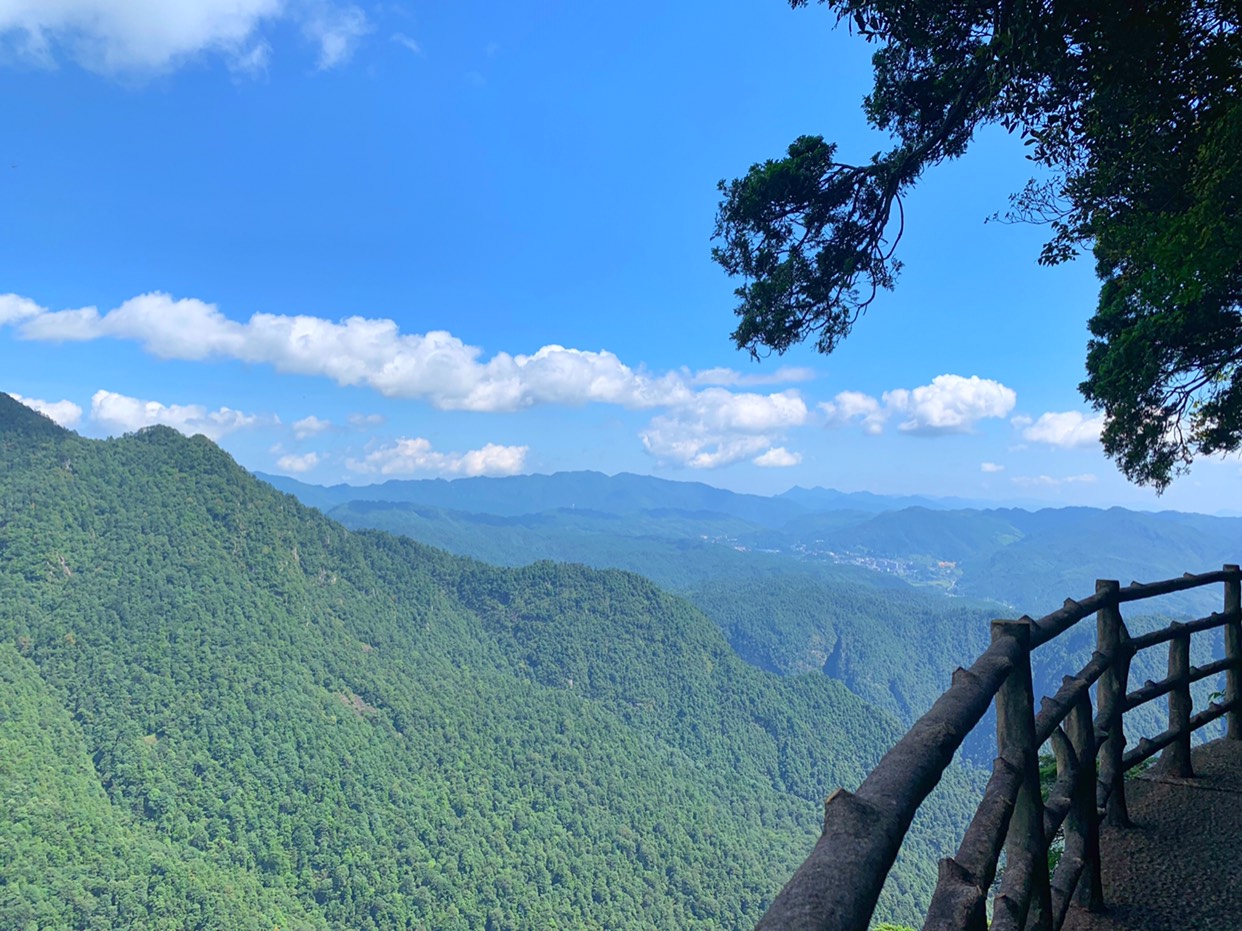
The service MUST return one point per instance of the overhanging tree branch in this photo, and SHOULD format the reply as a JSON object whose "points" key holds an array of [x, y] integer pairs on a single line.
{"points": [[1135, 111]]}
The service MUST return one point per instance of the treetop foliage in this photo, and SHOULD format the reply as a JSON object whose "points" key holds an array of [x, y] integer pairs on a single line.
{"points": [[1132, 114]]}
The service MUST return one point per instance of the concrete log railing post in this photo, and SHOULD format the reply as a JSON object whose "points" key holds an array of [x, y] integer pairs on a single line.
{"points": [[1176, 758], [1025, 845], [1233, 651], [837, 887], [1082, 824], [1112, 639]]}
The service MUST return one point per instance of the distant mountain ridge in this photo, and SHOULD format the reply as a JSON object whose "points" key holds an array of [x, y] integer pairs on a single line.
{"points": [[1022, 557], [829, 499], [622, 493], [511, 496]]}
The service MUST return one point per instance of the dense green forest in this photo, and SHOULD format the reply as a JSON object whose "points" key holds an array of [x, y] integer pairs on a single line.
{"points": [[221, 709], [891, 644], [857, 594]]}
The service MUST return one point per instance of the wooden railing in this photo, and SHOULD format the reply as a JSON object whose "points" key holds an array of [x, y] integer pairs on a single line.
{"points": [[837, 887]]}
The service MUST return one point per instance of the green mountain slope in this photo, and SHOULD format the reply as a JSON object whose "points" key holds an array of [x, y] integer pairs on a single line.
{"points": [[889, 643], [919, 532], [72, 860], [786, 605], [344, 729], [1066, 550]]}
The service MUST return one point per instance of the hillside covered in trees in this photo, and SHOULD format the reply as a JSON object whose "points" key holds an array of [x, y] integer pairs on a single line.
{"points": [[886, 595], [221, 709]]}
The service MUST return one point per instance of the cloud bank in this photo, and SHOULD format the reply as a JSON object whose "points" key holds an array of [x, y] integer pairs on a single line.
{"points": [[411, 456], [436, 366], [701, 427], [114, 37], [310, 426], [118, 413], [950, 404], [778, 458], [297, 464], [65, 413], [717, 428], [699, 420], [1048, 481], [1067, 430]]}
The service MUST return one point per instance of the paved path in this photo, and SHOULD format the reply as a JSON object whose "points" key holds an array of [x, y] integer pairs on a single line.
{"points": [[1177, 868]]}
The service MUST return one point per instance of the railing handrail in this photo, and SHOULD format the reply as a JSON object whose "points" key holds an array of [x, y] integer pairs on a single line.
{"points": [[837, 887]]}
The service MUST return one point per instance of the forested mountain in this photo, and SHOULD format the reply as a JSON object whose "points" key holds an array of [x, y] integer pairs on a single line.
{"points": [[220, 709], [526, 494], [827, 589], [891, 644]]}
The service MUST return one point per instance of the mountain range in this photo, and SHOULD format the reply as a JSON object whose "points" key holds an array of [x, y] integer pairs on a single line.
{"points": [[618, 703], [221, 709], [885, 597]]}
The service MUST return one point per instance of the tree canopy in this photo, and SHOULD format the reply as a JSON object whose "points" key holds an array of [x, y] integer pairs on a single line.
{"points": [[1133, 115]]}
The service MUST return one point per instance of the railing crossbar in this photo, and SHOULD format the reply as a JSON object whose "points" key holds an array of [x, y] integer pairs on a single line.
{"points": [[1056, 709], [1199, 673], [1153, 690], [1138, 591], [1213, 711], [1165, 634]]}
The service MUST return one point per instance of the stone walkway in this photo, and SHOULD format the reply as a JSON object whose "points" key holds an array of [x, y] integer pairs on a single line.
{"points": [[1177, 868]]}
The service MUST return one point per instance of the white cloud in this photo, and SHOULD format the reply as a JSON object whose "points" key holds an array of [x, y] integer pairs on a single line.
{"points": [[1045, 481], [362, 421], [950, 404], [118, 413], [1068, 429], [703, 428], [15, 309], [778, 457], [298, 464], [151, 36], [403, 40], [435, 366], [310, 426], [337, 30], [991, 467], [715, 427], [410, 456], [65, 413], [253, 61], [698, 451], [728, 377], [851, 405]]}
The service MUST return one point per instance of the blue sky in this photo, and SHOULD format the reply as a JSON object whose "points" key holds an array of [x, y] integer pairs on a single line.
{"points": [[358, 242]]}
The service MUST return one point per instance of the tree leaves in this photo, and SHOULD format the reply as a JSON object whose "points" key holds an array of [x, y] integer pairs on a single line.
{"points": [[1133, 114]]}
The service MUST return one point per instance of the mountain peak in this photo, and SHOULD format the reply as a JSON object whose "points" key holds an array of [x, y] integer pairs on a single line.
{"points": [[18, 419]]}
